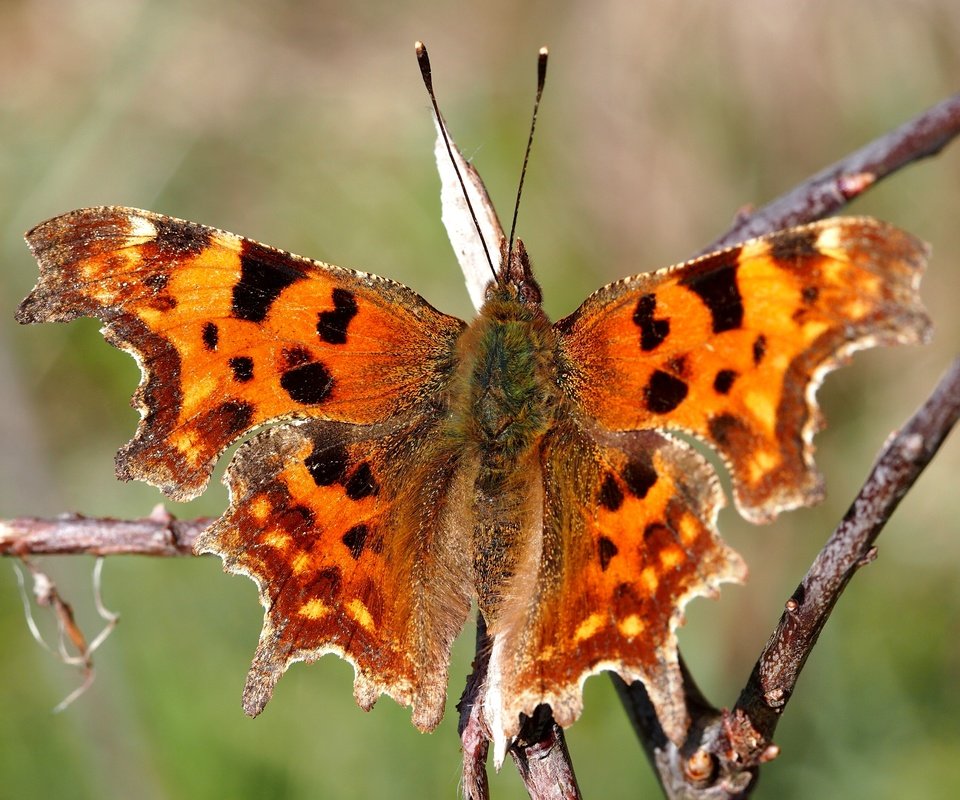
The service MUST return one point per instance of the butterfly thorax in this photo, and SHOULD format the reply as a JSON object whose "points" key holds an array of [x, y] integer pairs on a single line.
{"points": [[505, 392], [504, 399]]}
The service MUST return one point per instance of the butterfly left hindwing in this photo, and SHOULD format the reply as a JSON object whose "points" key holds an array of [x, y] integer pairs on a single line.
{"points": [[331, 522]]}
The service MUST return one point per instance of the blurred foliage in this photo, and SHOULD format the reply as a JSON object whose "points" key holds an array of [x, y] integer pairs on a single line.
{"points": [[305, 125]]}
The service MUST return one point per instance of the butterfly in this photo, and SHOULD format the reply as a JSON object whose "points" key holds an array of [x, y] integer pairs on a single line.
{"points": [[400, 465]]}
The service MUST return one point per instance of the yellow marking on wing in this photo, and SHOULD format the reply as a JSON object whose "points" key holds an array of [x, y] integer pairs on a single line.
{"points": [[670, 557], [763, 461], [763, 408], [588, 627], [649, 580], [259, 507], [631, 626], [197, 391], [314, 609], [829, 239], [689, 529], [277, 539], [813, 329], [301, 563], [754, 250], [141, 231], [360, 614]]}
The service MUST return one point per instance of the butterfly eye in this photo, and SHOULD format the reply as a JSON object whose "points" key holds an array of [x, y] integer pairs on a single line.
{"points": [[529, 292]]}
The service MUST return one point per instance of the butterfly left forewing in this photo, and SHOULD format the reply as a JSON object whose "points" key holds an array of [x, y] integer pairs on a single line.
{"points": [[230, 334], [731, 347]]}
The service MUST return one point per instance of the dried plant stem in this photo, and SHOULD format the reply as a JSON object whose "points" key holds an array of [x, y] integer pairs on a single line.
{"points": [[72, 534], [850, 547]]}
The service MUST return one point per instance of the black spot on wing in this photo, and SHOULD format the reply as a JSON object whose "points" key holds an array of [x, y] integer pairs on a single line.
{"points": [[296, 519], [355, 539], [640, 476], [759, 349], [725, 429], [611, 496], [264, 274], [242, 368], [332, 325], [664, 392], [211, 335], [723, 381], [307, 384], [652, 331], [810, 294], [180, 238], [792, 245], [607, 550], [328, 466], [717, 288], [362, 483], [162, 302], [157, 281]]}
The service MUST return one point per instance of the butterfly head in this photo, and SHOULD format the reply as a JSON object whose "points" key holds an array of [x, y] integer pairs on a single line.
{"points": [[515, 279]]}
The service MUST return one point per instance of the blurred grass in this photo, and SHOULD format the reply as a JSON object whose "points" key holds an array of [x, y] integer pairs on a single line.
{"points": [[305, 125]]}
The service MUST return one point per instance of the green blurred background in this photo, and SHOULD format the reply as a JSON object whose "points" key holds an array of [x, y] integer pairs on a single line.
{"points": [[305, 125]]}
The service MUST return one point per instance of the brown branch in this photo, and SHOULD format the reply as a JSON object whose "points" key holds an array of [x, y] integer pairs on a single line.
{"points": [[727, 749], [160, 534], [850, 547], [540, 750], [832, 188], [543, 760]]}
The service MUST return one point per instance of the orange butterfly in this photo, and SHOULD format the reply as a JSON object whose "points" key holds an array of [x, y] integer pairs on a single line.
{"points": [[414, 463]]}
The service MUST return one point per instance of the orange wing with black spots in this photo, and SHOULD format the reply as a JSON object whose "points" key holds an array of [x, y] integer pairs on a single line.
{"points": [[351, 537], [231, 334], [629, 536], [732, 347]]}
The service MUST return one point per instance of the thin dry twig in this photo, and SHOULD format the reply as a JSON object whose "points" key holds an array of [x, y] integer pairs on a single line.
{"points": [[850, 547], [46, 594], [728, 748], [832, 188], [160, 534]]}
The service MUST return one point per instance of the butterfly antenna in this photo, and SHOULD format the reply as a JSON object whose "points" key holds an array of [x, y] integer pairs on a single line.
{"points": [[541, 79], [423, 59]]}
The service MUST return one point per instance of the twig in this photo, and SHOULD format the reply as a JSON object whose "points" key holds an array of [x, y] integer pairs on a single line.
{"points": [[540, 750], [727, 749], [474, 735], [160, 534], [543, 760], [850, 547], [832, 188]]}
